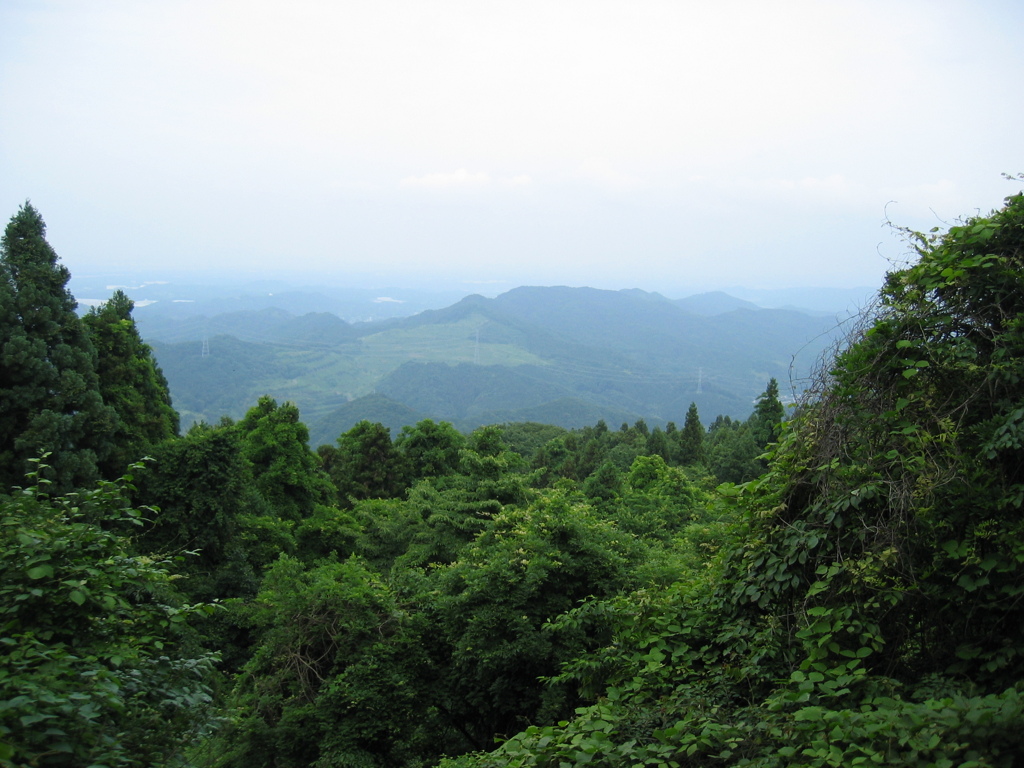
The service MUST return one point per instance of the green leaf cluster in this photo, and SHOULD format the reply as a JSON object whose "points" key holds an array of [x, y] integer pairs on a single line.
{"points": [[96, 667]]}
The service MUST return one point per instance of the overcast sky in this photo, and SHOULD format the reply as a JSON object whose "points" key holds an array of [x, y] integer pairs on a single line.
{"points": [[615, 143]]}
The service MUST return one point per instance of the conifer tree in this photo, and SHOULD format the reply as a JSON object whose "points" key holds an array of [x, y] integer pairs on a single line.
{"points": [[768, 415], [658, 444], [50, 400], [691, 439], [130, 382]]}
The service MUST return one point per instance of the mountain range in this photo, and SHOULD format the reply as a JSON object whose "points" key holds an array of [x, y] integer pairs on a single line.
{"points": [[565, 356]]}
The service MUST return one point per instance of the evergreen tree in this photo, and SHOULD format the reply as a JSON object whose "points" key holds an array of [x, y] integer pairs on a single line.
{"points": [[50, 399], [691, 439], [130, 382], [768, 415], [658, 444]]}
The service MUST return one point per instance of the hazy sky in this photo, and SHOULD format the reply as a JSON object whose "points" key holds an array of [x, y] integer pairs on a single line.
{"points": [[614, 143]]}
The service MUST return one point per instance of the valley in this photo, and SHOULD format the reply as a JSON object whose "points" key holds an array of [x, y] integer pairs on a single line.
{"points": [[565, 356]]}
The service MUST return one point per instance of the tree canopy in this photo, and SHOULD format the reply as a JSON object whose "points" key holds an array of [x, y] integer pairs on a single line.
{"points": [[50, 400], [130, 382]]}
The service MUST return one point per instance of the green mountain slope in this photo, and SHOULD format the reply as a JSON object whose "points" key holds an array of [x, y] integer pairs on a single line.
{"points": [[570, 353]]}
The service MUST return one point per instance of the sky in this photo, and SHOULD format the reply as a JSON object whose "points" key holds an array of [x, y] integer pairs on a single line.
{"points": [[666, 145]]}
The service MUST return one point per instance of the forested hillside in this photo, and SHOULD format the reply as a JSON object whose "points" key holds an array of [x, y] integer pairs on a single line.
{"points": [[840, 585], [569, 356]]}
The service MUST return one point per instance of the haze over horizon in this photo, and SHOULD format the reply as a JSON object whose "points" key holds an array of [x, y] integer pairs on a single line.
{"points": [[666, 146]]}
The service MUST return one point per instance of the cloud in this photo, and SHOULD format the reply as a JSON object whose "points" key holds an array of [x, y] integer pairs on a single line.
{"points": [[459, 179], [600, 171], [826, 190], [521, 180], [388, 299], [464, 180]]}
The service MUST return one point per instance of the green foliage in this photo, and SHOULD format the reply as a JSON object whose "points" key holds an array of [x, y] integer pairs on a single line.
{"points": [[451, 511], [732, 452], [604, 484], [868, 611], [288, 475], [365, 464], [209, 505], [95, 669], [328, 531], [335, 678], [897, 483], [580, 453], [50, 399], [768, 415], [527, 437], [434, 642], [658, 444], [430, 449], [529, 566], [656, 500], [130, 382], [691, 440]]}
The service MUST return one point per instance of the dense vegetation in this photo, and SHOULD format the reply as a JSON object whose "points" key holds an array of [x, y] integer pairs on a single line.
{"points": [[524, 594]]}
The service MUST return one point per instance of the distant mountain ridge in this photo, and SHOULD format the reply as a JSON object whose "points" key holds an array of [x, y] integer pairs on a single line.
{"points": [[271, 325], [568, 355], [713, 303]]}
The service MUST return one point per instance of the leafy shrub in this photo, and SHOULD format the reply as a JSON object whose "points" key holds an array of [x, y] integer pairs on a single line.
{"points": [[96, 669]]}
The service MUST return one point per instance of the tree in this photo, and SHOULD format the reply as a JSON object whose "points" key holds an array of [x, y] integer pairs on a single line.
{"points": [[366, 464], [430, 449], [732, 453], [286, 472], [604, 483], [768, 415], [658, 444], [337, 676], [209, 505], [454, 508], [691, 439], [130, 382], [530, 565], [50, 399]]}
